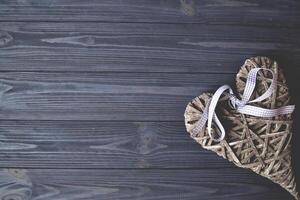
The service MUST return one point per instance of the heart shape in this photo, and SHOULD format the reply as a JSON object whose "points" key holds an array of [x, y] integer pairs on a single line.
{"points": [[260, 144]]}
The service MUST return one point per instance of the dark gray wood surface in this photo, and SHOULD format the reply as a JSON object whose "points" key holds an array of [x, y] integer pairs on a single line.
{"points": [[92, 95]]}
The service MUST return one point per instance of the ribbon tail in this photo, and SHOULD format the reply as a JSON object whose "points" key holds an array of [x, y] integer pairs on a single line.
{"points": [[220, 127], [263, 112]]}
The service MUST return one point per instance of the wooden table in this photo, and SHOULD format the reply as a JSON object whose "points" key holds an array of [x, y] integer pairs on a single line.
{"points": [[93, 94]]}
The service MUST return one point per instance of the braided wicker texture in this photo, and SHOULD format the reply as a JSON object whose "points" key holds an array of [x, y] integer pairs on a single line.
{"points": [[260, 144]]}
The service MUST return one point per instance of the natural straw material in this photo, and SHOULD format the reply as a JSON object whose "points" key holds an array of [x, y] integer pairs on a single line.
{"points": [[260, 144]]}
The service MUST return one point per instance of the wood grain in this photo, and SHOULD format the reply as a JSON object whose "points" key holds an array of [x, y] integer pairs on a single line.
{"points": [[94, 144], [92, 95], [258, 13], [48, 184], [101, 96], [140, 47]]}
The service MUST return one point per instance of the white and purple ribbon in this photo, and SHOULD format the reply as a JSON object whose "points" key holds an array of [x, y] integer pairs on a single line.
{"points": [[241, 106]]}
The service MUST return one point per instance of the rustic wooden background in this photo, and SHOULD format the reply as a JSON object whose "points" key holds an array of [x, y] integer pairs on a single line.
{"points": [[92, 95]]}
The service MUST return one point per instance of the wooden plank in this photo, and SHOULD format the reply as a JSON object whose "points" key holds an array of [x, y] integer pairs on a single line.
{"points": [[136, 47], [94, 144], [101, 96], [258, 13], [48, 184]]}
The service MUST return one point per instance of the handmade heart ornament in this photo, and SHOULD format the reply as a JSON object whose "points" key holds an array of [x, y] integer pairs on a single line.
{"points": [[255, 127]]}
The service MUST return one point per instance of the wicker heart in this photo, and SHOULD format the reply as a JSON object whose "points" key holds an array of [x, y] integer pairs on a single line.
{"points": [[260, 144]]}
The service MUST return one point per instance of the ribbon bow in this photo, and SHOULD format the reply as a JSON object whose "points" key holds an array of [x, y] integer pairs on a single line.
{"points": [[241, 106]]}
